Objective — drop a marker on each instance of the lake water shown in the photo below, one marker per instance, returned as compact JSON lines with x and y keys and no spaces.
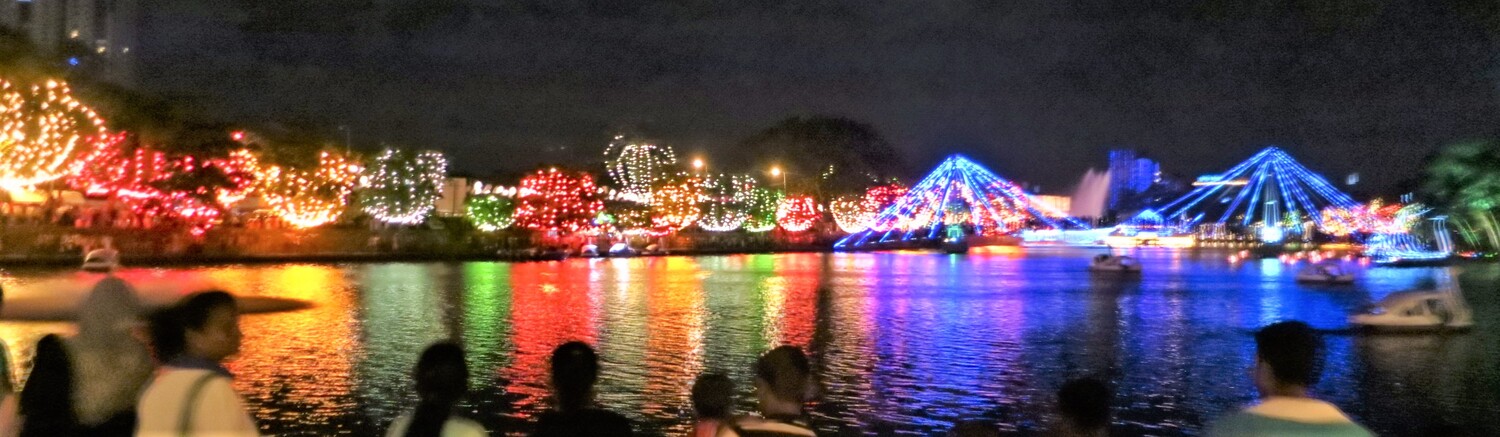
{"x":903,"y":343}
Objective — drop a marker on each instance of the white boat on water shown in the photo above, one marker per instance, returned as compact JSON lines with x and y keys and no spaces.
{"x":101,"y":261}
{"x":1117,"y":264}
{"x":1325,"y":273}
{"x":1439,"y":309}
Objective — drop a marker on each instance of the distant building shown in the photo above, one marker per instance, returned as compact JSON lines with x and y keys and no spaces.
{"x":1129,"y":174}
{"x":105,"y":29}
{"x":1052,"y":205}
{"x":455,"y":195}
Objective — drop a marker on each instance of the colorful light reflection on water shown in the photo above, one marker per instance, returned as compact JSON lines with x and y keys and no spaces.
{"x":902,"y":342}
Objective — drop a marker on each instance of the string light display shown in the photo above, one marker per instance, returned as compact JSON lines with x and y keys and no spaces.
{"x":632,"y":219}
{"x":675,"y":206}
{"x":42,"y":128}
{"x":760,"y":209}
{"x":554,"y":200}
{"x":1373,"y":218}
{"x":851,"y":213}
{"x":880,"y":197}
{"x":401,"y":187}
{"x":637,"y":168}
{"x":490,"y":212}
{"x":305,"y":199}
{"x":724,"y":202}
{"x":140,"y":179}
{"x":958,"y":191}
{"x":797,"y":213}
{"x":240,"y":167}
{"x":1259,"y":190}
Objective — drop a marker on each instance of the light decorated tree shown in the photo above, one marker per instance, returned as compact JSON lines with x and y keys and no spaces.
{"x":401,"y":186}
{"x":160,"y":188}
{"x":851,"y":213}
{"x":42,"y":129}
{"x":140,"y":178}
{"x":760,"y":209}
{"x":637,"y":168}
{"x":558,"y":201}
{"x":880,"y":197}
{"x":489,"y":212}
{"x":306,"y":198}
{"x":725,"y":200}
{"x":240,"y":167}
{"x":797,"y":213}
{"x":675,"y":206}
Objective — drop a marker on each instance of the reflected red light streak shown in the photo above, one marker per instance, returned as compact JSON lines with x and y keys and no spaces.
{"x":550,"y":306}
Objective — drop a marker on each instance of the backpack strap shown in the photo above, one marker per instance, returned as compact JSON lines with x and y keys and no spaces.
{"x":185,"y":423}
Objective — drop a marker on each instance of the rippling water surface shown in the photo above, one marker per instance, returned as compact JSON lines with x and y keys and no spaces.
{"x":903,"y":343}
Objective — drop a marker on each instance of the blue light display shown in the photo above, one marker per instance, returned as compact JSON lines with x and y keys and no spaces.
{"x":1264,"y":189}
{"x":958,"y":192}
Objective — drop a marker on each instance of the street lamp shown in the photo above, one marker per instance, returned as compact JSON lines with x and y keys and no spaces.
{"x":776,"y":171}
{"x":697,"y":164}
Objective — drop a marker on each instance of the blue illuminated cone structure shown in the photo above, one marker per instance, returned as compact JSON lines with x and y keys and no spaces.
{"x":1269,"y":190}
{"x":958,"y":192}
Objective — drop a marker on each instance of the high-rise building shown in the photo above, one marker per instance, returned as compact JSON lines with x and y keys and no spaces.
{"x":1129,"y":174}
{"x":105,"y":29}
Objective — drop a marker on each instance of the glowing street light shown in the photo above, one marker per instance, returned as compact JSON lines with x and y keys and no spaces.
{"x":776,"y":171}
{"x":697,"y":165}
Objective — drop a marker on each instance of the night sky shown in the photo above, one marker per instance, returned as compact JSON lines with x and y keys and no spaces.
{"x":1038,"y":90}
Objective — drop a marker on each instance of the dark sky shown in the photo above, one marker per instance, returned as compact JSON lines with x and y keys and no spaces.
{"x":1038,"y":90}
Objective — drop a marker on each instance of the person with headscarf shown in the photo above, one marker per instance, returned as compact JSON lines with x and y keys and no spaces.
{"x":88,"y":384}
{"x":8,"y":398}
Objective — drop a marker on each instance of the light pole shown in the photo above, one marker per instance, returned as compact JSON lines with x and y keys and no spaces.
{"x":698,"y":165}
{"x":776,"y":171}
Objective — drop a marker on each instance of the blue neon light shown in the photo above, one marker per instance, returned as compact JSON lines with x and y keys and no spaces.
{"x":1270,"y":175}
{"x":958,"y":186}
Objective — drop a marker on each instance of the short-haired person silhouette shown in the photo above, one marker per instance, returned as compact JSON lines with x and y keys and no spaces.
{"x":1287,"y":361}
{"x":713,"y":403}
{"x":575,"y":369}
{"x":1083,"y":409}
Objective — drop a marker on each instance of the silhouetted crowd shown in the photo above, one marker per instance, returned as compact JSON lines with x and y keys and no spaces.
{"x":119,"y":377}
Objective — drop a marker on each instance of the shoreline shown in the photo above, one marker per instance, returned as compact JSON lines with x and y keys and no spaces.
{"x":340,"y":257}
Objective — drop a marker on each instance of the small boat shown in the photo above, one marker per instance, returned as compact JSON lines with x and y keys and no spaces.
{"x":621,"y":250}
{"x":1416,"y":310}
{"x":1325,"y":273}
{"x":589,"y":251}
{"x":101,"y":261}
{"x":1110,"y":263}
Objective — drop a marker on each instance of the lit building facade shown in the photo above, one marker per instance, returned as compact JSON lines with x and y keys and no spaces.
{"x":106,"y":29}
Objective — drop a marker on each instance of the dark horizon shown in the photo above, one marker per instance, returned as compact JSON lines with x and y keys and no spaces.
{"x":1038,"y":92}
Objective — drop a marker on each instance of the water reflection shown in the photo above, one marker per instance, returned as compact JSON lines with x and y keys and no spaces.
{"x":901,"y":342}
{"x":296,"y":368}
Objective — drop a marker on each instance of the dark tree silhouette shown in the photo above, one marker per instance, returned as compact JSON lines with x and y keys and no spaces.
{"x":826,"y":156}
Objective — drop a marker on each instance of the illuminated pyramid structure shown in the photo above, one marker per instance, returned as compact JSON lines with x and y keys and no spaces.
{"x":959,"y":192}
{"x":1269,"y":190}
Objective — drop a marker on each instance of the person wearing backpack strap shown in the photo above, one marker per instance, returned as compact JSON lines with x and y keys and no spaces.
{"x":193,"y":394}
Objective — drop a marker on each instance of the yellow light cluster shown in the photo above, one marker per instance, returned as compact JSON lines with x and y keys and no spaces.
{"x":42,"y":128}
{"x":306,"y":199}
{"x":852,"y":213}
{"x":674,"y":207}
